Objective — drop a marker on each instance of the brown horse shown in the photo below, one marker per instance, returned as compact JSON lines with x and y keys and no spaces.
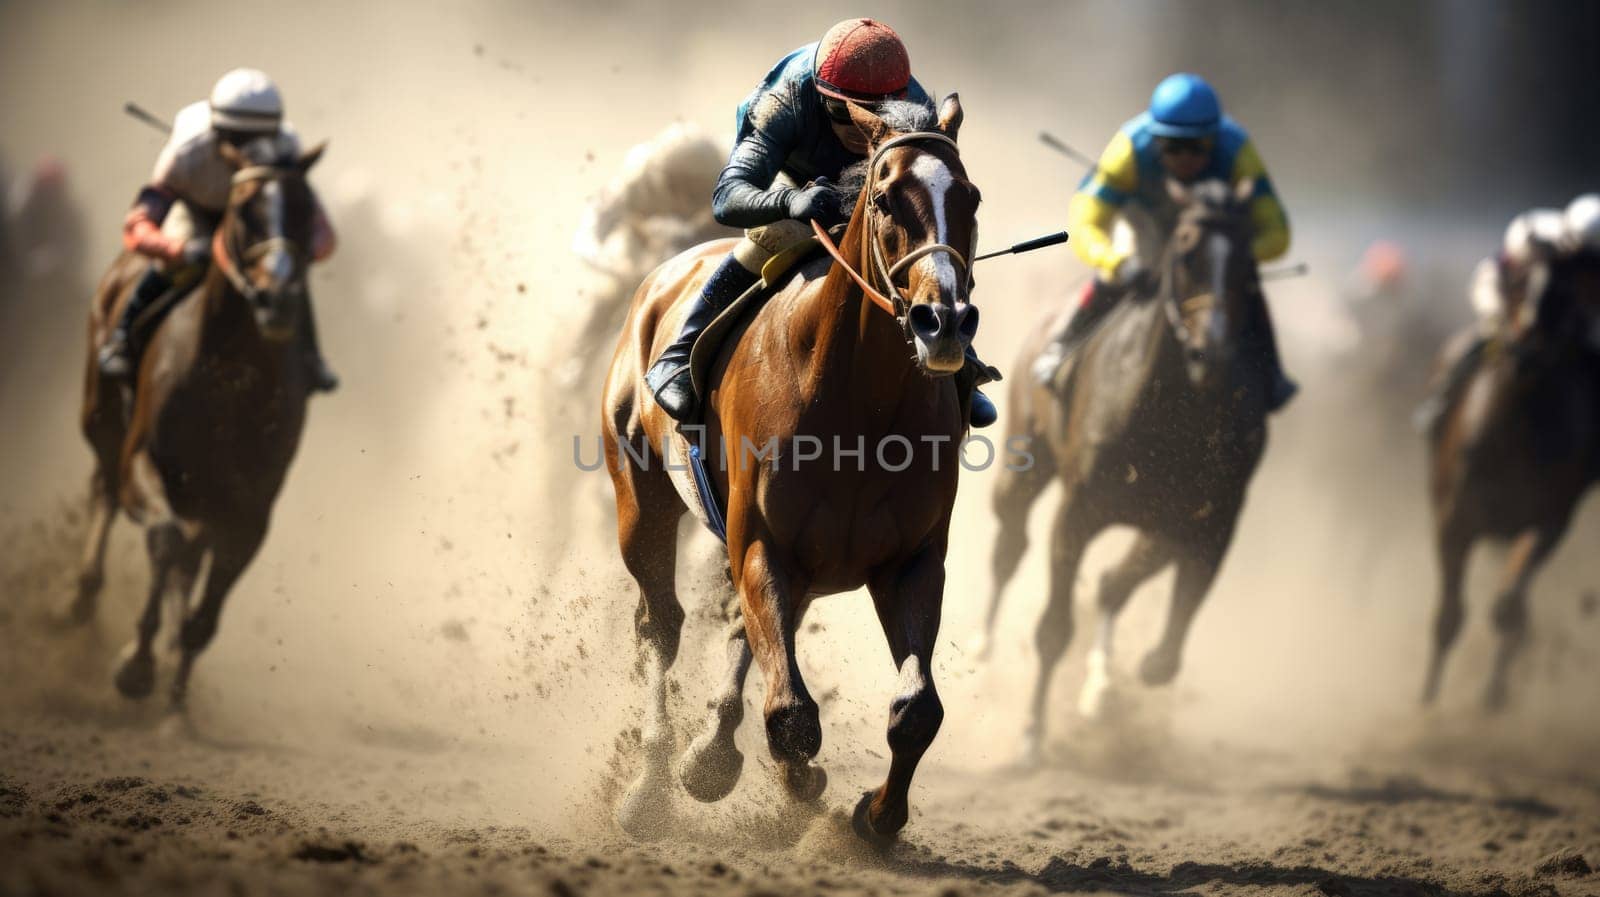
{"x":820,"y":367}
{"x":1513,"y":455}
{"x":198,"y":451}
{"x":1159,"y":426}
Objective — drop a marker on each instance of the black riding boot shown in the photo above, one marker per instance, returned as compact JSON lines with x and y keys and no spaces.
{"x":1103,"y":297}
{"x":982,"y":413}
{"x":323,"y":379}
{"x":1280,"y":389}
{"x":1431,"y":411}
{"x":668,"y":379}
{"x":117,"y":355}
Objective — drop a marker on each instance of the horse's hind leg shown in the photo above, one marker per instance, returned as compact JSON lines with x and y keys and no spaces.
{"x":711,"y":766}
{"x":647,"y":527}
{"x":771,"y":604}
{"x":1197,"y":570}
{"x":1014,"y":496}
{"x":1453,"y":547}
{"x":1510,"y":611}
{"x":908,"y":606}
{"x":1071,"y":535}
{"x":1144,"y":559}
{"x":136,"y":674}
{"x":91,"y":570}
{"x":231,"y":551}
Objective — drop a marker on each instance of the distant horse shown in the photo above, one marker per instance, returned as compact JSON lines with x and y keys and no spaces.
{"x":820,"y":362}
{"x":199,"y":455}
{"x":1160,"y":424}
{"x":1513,"y":456}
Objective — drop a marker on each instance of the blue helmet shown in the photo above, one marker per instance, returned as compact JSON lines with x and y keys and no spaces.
{"x":1184,"y":105}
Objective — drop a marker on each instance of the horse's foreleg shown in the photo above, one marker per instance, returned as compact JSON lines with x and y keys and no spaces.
{"x":231,"y":552}
{"x":91,"y":570}
{"x":1144,"y":559}
{"x":1071,"y":535}
{"x":647,"y":536}
{"x":136,"y":673}
{"x":1197,"y":569}
{"x":1510,"y":611}
{"x":908,"y":606}
{"x":712,"y":764}
{"x":1014,"y":496}
{"x":1453,"y":548}
{"x":771,"y":602}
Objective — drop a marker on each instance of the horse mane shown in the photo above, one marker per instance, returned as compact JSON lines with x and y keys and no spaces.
{"x":902,"y":116}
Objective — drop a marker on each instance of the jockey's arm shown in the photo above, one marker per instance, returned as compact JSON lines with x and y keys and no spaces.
{"x":141,"y":228}
{"x":1269,"y":221}
{"x":745,"y":195}
{"x":1094,"y":208}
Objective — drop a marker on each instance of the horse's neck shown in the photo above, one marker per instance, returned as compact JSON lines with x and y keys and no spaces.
{"x":863,"y":344}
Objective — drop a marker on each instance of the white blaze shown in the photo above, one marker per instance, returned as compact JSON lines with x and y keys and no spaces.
{"x":936,"y":177}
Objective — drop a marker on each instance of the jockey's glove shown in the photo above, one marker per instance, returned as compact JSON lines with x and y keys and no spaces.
{"x":196,"y":251}
{"x":818,"y":201}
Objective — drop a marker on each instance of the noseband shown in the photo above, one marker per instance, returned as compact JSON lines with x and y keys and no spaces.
{"x":895,"y":303}
{"x":253,"y":253}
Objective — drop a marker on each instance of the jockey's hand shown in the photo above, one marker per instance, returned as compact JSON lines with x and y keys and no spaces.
{"x":818,"y":201}
{"x":195,"y":251}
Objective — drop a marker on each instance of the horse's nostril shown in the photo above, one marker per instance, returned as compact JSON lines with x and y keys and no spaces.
{"x":1196,"y":356}
{"x":925,"y":321}
{"x":967,"y":321}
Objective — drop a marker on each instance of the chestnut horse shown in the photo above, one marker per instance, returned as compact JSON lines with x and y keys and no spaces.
{"x":822,"y":366}
{"x":1512,"y":456}
{"x":198,"y":451}
{"x":1159,"y":426}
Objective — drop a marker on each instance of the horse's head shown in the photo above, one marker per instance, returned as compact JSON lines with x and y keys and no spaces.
{"x":1208,"y":272}
{"x":264,"y":241}
{"x":921,"y":226}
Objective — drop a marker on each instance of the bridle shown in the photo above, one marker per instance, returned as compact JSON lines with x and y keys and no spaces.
{"x":225,"y":260}
{"x":890,"y":299}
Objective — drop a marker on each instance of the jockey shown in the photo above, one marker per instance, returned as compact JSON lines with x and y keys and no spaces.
{"x":794,"y":139}
{"x":173,"y":217}
{"x":1122,"y":216}
{"x":1506,"y":287}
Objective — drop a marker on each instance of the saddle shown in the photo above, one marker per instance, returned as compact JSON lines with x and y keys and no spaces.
{"x":732,"y":322}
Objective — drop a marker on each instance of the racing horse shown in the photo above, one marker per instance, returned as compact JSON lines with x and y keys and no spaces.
{"x":841,"y":388}
{"x":1512,"y":457}
{"x":197,"y":452}
{"x":1159,"y":425}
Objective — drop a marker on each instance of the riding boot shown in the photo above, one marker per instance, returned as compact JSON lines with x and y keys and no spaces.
{"x":1431,"y":411}
{"x":1101,"y":299}
{"x":982,"y":413}
{"x":1280,"y":389}
{"x":668,"y":379}
{"x":323,"y":379}
{"x":116,"y":357}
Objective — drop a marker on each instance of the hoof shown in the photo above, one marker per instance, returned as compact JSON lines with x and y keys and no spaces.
{"x":710,"y":768}
{"x":646,"y":810}
{"x":136,"y":675}
{"x":805,"y":782}
{"x":861,"y":821}
{"x":1158,"y":668}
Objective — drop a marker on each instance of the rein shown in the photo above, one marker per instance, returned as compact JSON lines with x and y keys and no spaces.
{"x":224,"y":259}
{"x":894,"y":301}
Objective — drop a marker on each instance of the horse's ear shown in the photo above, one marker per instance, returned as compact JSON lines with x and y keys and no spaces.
{"x":310,"y":157}
{"x":232,"y":155}
{"x":1177,"y":192}
{"x":868,"y":123}
{"x":1244,"y":191}
{"x":950,"y":115}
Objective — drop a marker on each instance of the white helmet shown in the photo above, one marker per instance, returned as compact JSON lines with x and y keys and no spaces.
{"x":1583,"y":223}
{"x":246,"y":100}
{"x":1532,"y":235}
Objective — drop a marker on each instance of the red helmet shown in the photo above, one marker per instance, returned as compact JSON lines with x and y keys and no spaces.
{"x":860,"y":59}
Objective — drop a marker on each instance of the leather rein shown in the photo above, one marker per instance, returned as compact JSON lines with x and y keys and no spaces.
{"x":895,"y":302}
